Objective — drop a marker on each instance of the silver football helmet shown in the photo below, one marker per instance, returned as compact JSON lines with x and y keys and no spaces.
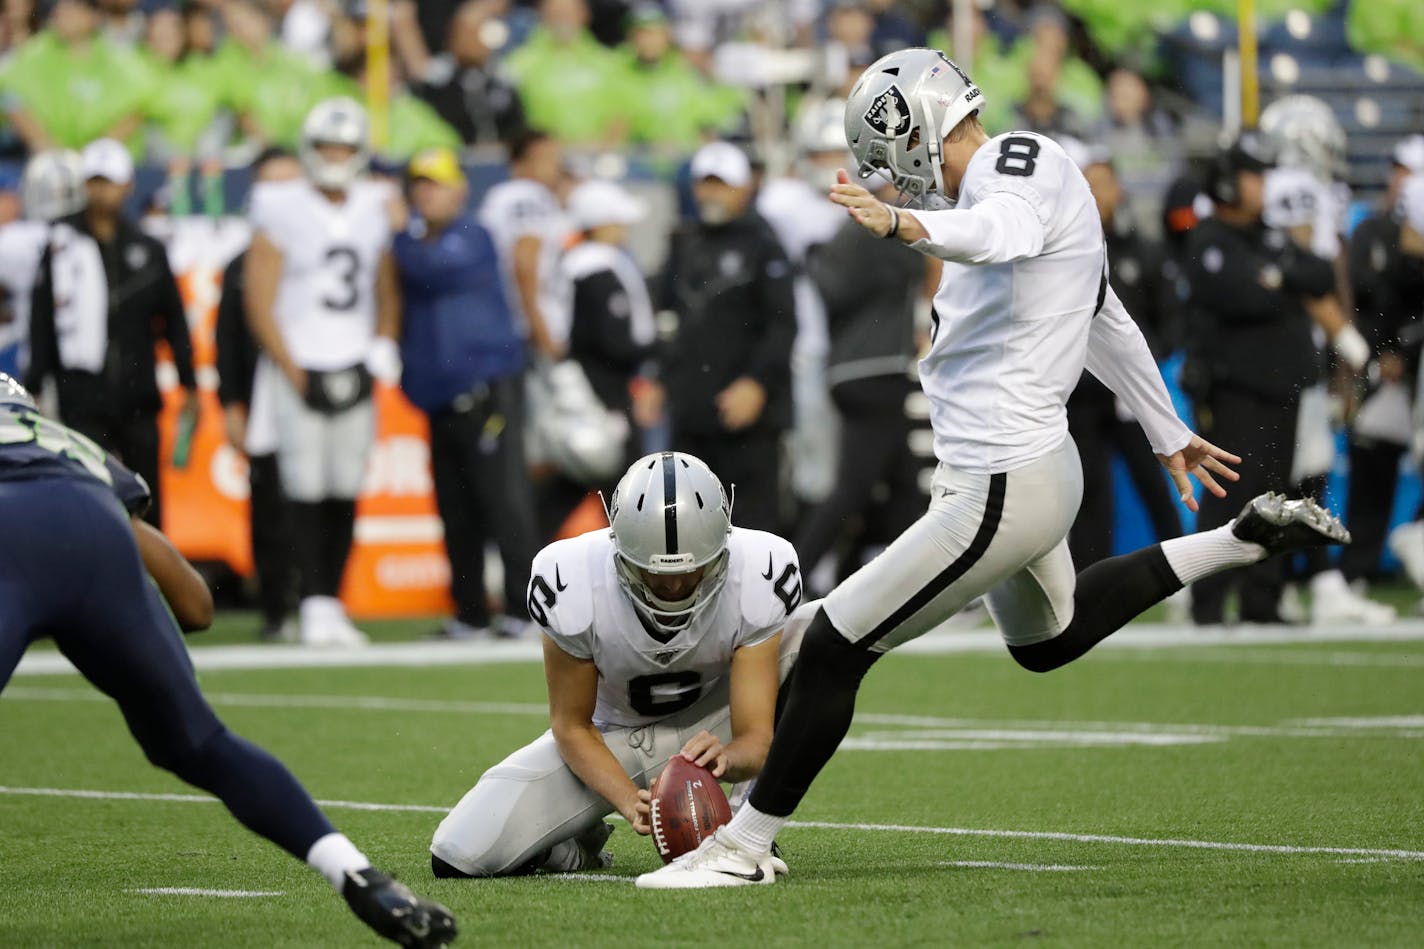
{"x":670,"y":515}
{"x":52,"y":186}
{"x":339,"y":121}
{"x":899,"y":112}
{"x":1306,"y":135}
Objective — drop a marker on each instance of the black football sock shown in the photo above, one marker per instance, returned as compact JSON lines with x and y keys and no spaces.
{"x":1109,"y":594}
{"x":339,"y":522}
{"x":817,"y":714}
{"x":308,"y":528}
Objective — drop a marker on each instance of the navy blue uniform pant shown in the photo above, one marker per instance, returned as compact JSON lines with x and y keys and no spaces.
{"x":70,"y":570}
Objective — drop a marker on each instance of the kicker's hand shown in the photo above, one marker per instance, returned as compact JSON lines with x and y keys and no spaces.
{"x":867,"y":210}
{"x":1201,"y":460}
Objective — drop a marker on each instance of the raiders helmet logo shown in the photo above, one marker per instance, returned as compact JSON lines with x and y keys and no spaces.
{"x":889,"y":114}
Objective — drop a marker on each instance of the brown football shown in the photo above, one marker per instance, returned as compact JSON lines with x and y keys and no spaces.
{"x":688,"y":805}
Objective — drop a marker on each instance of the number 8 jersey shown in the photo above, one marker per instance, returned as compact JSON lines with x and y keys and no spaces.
{"x":326,"y":300}
{"x":574,"y":595}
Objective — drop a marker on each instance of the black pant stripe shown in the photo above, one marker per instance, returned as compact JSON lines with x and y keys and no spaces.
{"x":988,"y":527}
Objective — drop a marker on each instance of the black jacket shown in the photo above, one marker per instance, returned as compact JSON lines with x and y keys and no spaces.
{"x":1144,"y":279}
{"x":730,"y":286}
{"x":1247,"y":325}
{"x":237,"y":350}
{"x":869,"y":286}
{"x":601,"y":338}
{"x":481,"y":106}
{"x":144,"y":307}
{"x":1388,"y":289}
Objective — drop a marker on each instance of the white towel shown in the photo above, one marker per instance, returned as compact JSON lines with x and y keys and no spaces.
{"x":81,"y":300}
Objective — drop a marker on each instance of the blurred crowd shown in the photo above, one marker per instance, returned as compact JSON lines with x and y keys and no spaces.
{"x":565,"y":321}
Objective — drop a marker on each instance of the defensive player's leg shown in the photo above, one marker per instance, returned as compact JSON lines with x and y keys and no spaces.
{"x":522,"y":807}
{"x":122,"y":638}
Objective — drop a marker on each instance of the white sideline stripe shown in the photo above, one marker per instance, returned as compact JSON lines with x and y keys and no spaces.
{"x":1382,"y":721}
{"x":1141,"y":636}
{"x":992,"y":865}
{"x":204,"y":799}
{"x":197,"y":891}
{"x":1110,"y":839}
{"x":808,"y":825}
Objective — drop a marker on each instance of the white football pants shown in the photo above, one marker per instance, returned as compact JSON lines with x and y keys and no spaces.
{"x":531,"y":800}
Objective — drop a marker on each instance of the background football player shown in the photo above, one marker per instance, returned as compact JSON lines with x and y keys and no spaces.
{"x":73,"y":524}
{"x":323,"y":304}
{"x":663,"y":635}
{"x":1305,"y":197}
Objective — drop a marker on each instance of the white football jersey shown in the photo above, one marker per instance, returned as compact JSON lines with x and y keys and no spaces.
{"x":22,"y":244}
{"x":519,"y":208}
{"x":326,"y":300}
{"x":1009,"y":338}
{"x":1295,"y":197}
{"x":574,"y":595}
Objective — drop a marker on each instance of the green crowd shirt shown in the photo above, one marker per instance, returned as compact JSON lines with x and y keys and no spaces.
{"x":567,"y":88}
{"x":76,"y":94}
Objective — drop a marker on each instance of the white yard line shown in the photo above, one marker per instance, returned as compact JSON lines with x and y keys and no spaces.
{"x":811,"y":825}
{"x":992,"y":865}
{"x":203,"y":799}
{"x":198,"y":891}
{"x":1137,"y":637}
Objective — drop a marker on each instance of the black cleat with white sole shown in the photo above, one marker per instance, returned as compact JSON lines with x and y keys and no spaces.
{"x":393,"y":911}
{"x":1282,"y":524}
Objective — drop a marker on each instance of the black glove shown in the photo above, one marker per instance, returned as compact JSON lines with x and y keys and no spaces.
{"x":337,"y":390}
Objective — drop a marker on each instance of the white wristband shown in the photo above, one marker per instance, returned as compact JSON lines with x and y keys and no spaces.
{"x":383,"y":360}
{"x":1352,"y":347}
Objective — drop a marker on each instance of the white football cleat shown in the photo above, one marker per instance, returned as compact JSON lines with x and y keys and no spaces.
{"x":1406,"y":542}
{"x":718,"y":862}
{"x":1333,"y":602}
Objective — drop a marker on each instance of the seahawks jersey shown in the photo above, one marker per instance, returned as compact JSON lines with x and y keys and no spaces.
{"x":326,"y":299}
{"x":575,"y":596}
{"x":520,"y":208}
{"x":34,"y":448}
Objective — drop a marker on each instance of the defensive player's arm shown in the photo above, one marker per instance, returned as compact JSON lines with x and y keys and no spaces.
{"x":261,"y":275}
{"x":755,"y":679}
{"x":573,"y":692}
{"x":527,"y":251}
{"x":187,"y":595}
{"x":1119,"y":357}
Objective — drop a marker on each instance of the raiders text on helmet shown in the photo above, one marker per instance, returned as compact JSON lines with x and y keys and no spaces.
{"x":669,"y":515}
{"x":899,"y":113}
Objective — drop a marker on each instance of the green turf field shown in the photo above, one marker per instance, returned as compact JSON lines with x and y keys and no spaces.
{"x":1224,"y":794}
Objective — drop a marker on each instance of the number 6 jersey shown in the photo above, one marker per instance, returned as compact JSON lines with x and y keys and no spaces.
{"x":574,"y":595}
{"x":326,"y":301}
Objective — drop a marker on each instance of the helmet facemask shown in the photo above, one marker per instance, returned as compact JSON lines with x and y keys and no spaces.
{"x":669,"y":516}
{"x":669,"y":616}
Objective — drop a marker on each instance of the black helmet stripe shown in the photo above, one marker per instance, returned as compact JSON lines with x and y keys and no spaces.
{"x":670,"y":501}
